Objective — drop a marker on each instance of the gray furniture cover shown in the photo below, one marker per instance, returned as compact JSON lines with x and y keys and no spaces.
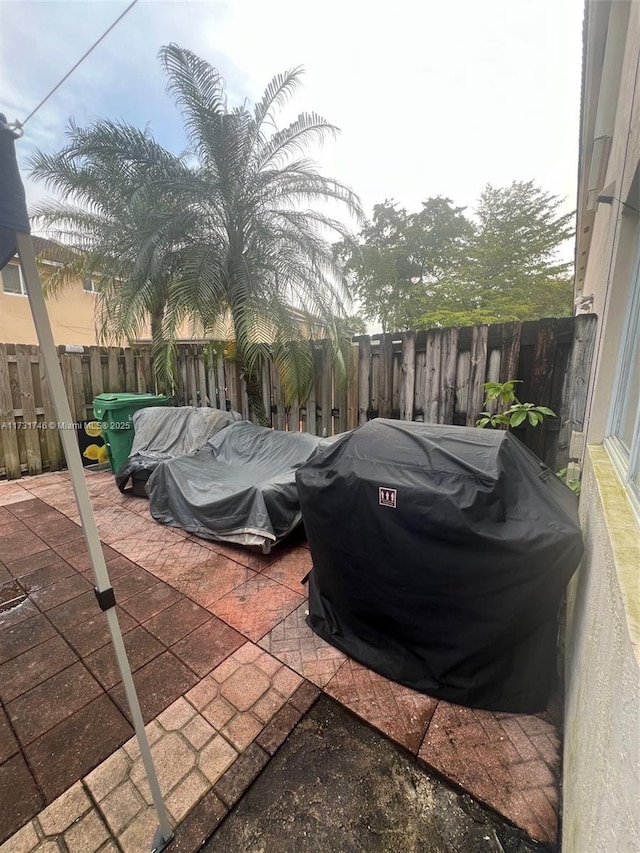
{"x":165,"y":432}
{"x":240,"y":487}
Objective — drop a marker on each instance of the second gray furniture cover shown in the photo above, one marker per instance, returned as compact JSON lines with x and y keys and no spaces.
{"x":240,"y":487}
{"x":163,"y":433}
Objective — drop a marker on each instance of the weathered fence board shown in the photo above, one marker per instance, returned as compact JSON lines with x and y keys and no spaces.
{"x":408,"y":376}
{"x":463,"y":371}
{"x":364,"y":380}
{"x":478,"y":372}
{"x":277,"y":409}
{"x":352,"y":392}
{"x":11,"y":452}
{"x":448,"y":354}
{"x":541,"y":379}
{"x":28,"y":405}
{"x":95,"y":367}
{"x":54,"y":444}
{"x":68,"y":384}
{"x":326,"y":401}
{"x":222,"y":384}
{"x":510,"y":350}
{"x":433,"y":376}
{"x":112,"y":371}
{"x":385,"y":377}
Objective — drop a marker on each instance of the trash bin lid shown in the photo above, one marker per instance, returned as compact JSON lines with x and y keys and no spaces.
{"x":112,"y":402}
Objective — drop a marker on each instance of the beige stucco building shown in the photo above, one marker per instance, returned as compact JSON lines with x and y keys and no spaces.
{"x":602,"y":717}
{"x":72,"y":312}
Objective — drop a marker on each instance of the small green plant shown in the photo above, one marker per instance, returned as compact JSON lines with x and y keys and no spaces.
{"x":574,"y":485}
{"x":513,"y":411}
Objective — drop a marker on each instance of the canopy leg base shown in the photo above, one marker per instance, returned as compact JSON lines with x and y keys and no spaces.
{"x":159,"y":841}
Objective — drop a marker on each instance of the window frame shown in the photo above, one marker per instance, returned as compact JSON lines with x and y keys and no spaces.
{"x":89,"y":279}
{"x":627,"y":461}
{"x":23,"y":287}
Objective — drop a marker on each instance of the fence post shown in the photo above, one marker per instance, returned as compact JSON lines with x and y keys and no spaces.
{"x":576,"y":384}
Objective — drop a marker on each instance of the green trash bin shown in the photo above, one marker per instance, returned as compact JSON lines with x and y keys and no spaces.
{"x":115,"y":414}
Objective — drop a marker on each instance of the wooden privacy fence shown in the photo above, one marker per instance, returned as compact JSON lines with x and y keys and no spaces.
{"x":435,"y":376}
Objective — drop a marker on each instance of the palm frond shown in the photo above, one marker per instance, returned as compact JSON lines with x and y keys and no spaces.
{"x":295,"y":139}
{"x":280,"y":89}
{"x":197,"y":88}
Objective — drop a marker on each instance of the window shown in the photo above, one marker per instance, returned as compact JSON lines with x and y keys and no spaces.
{"x":12,"y":280}
{"x":624,"y":423}
{"x":89,"y":284}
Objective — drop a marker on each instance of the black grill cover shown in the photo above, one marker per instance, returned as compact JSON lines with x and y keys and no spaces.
{"x":440,"y":557}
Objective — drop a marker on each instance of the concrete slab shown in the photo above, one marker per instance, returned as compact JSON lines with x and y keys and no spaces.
{"x":337,"y":786}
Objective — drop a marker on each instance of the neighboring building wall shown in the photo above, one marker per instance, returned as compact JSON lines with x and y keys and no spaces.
{"x":72,"y":317}
{"x":73,"y":321}
{"x":601,"y":812}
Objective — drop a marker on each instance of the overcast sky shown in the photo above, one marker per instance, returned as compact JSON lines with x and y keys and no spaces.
{"x":431,"y":97}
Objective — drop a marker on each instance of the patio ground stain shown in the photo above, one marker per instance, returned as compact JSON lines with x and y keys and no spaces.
{"x":337,"y":786}
{"x":11,"y":596}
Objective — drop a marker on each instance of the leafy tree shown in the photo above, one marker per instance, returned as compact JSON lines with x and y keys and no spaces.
{"x":405,"y":262}
{"x":513,"y":258}
{"x":234,"y":228}
{"x":436,"y":267}
{"x":371,"y":266}
{"x":511,"y":271}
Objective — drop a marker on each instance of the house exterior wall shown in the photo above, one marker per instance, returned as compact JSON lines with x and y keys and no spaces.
{"x":613,"y":230}
{"x":602,"y":720}
{"x":602,"y":711}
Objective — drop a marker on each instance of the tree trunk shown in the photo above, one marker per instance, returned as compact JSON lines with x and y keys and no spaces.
{"x":251,"y":378}
{"x":156,"y":323}
{"x":254,"y":395}
{"x":162,"y":371}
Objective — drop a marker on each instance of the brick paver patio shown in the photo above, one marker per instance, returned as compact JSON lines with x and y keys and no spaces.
{"x":225,"y":666}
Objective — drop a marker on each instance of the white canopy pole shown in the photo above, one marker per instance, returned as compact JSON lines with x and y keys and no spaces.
{"x":104,"y":591}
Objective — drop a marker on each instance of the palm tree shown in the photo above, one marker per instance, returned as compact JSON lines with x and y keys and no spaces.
{"x":118,"y":215}
{"x":237,"y":227}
